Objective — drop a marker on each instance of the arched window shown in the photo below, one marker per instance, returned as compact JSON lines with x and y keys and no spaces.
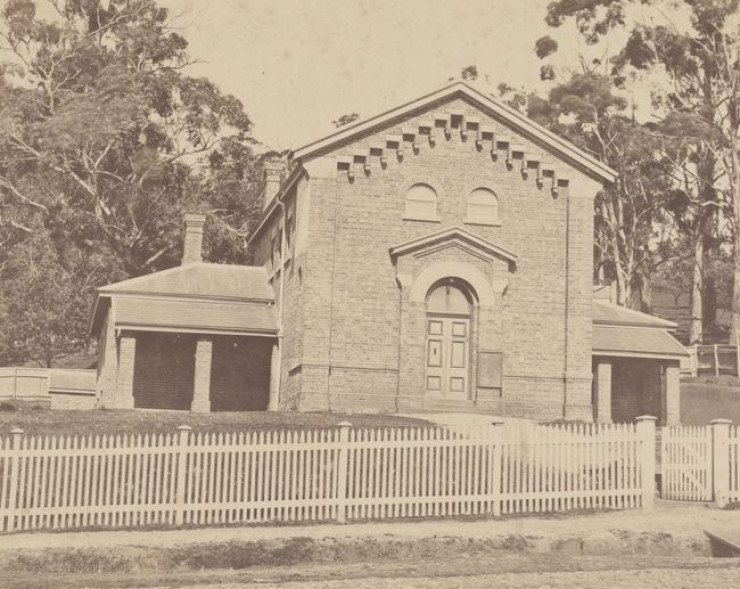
{"x":448,"y":298}
{"x":483,"y":207}
{"x":421,"y":203}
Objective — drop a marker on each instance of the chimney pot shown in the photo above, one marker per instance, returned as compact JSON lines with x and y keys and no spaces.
{"x":272,"y":182}
{"x":193,"y":246}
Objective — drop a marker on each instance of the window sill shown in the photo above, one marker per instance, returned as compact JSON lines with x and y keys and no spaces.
{"x":423,"y":219}
{"x":479,"y":222}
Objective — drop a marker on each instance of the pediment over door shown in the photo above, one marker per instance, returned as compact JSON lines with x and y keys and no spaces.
{"x":455,"y":236}
{"x":422,"y":261}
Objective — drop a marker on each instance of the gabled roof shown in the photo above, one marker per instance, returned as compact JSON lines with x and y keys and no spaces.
{"x":485,"y":102}
{"x":606,"y":313}
{"x":635,"y":342}
{"x":193,"y":297}
{"x":200,"y":279}
{"x":454,"y":233}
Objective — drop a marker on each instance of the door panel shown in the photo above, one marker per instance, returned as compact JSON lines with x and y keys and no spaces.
{"x":434,"y":353}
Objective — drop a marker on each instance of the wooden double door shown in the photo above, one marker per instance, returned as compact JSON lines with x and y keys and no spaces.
{"x":448,"y":356}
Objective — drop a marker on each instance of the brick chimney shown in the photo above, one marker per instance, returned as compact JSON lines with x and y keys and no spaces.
{"x":272,"y":182}
{"x":192,"y":250}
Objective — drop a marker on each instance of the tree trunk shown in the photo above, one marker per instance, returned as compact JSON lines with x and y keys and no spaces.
{"x":696,"y":332}
{"x":734,"y":180}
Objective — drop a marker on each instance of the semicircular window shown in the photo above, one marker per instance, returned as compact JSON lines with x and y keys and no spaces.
{"x":421,"y":203}
{"x":483,"y":207}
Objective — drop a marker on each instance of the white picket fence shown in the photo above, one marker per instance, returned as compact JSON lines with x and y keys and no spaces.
{"x":701,"y":463}
{"x":340,"y":474}
{"x":686,"y":463}
{"x":733,"y":465}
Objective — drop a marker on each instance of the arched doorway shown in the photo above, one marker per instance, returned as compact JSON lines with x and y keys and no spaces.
{"x":448,"y":339}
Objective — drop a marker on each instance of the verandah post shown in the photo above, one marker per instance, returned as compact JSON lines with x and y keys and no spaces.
{"x":646,"y":460}
{"x":14,"y":474}
{"x":182,"y":461}
{"x":721,"y":460}
{"x":342,"y":457}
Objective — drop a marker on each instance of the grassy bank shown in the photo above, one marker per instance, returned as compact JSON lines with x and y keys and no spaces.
{"x":46,"y":422}
{"x":710,"y":397}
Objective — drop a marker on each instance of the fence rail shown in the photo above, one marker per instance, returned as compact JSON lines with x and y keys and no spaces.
{"x":715,"y":359}
{"x":341,"y":474}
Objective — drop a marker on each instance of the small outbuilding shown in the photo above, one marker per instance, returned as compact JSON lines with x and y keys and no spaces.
{"x":198,"y":337}
{"x":635,"y":364}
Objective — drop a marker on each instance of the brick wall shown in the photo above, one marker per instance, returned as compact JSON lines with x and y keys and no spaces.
{"x":353,"y":323}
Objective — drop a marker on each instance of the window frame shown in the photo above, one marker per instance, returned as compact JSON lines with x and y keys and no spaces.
{"x":490,"y":221}
{"x":428,"y":216}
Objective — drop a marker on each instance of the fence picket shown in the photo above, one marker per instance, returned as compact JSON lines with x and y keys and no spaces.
{"x":343,"y":473}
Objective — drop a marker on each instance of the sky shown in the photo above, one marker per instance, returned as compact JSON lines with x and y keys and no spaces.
{"x":297,"y":65}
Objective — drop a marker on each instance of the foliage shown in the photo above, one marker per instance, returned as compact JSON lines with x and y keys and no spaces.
{"x":688,"y":52}
{"x":100,"y":141}
{"x":588,"y":110}
{"x":46,"y":301}
{"x":346,"y":119}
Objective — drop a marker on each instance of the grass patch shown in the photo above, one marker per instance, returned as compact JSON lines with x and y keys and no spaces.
{"x":47,"y":422}
{"x":244,"y":555}
{"x":710,"y":397}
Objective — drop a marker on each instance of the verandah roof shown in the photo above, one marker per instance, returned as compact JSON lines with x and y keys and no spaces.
{"x":631,"y":334}
{"x":197,"y":297}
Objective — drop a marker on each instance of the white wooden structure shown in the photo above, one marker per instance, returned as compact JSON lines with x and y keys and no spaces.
{"x":686,"y":462}
{"x":701,"y":463}
{"x":340,"y":474}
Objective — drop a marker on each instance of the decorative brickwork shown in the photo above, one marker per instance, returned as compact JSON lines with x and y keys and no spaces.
{"x":353,"y":337}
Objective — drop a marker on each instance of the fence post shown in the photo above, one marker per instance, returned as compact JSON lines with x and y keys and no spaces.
{"x":646,"y":436}
{"x":342,"y":457}
{"x":182,"y":460}
{"x":720,"y":460}
{"x":14,"y":474}
{"x":495,"y":481}
{"x":716,"y":361}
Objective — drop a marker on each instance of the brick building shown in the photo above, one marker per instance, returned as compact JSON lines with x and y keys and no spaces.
{"x":437,"y":256}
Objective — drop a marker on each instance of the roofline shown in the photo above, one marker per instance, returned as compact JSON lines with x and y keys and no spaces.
{"x":670,"y":326}
{"x":274,"y":204}
{"x":657,"y":321}
{"x":166,"y":328}
{"x":111,"y":288}
{"x":514,"y":117}
{"x":646,"y":355}
{"x":173,"y":296}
